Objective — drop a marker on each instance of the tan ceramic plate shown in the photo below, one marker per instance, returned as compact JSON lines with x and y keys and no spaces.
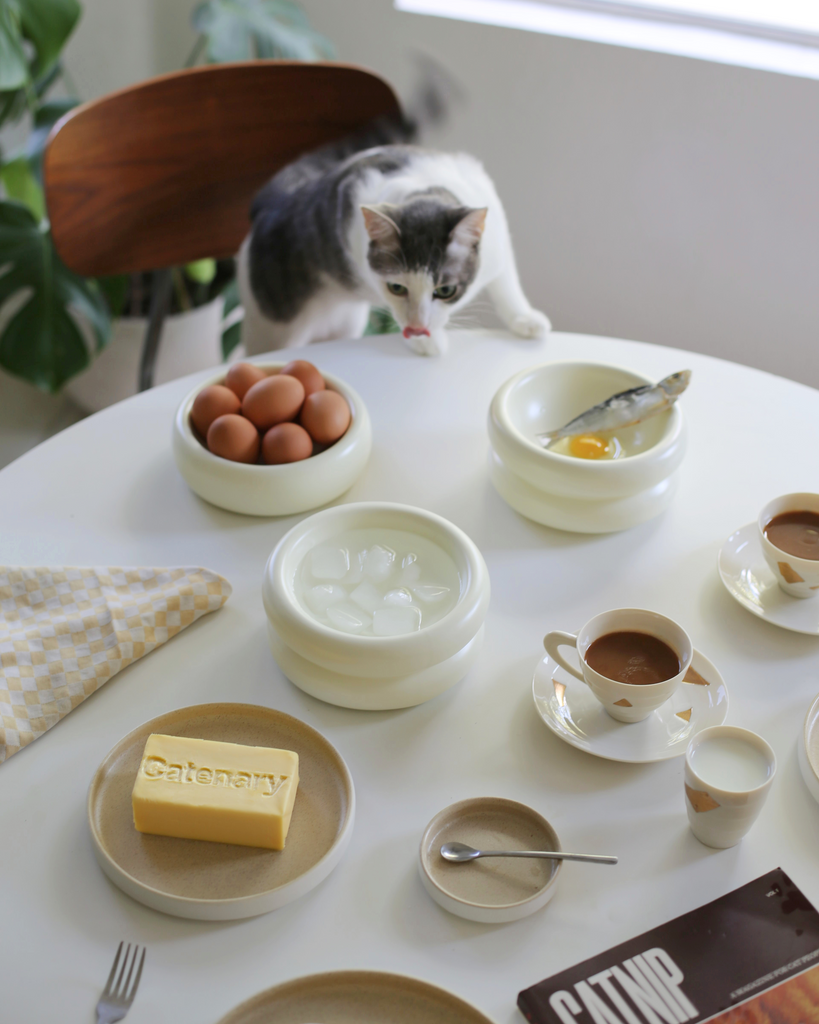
{"x":217,"y":881}
{"x":497,"y":889}
{"x":355,"y":997}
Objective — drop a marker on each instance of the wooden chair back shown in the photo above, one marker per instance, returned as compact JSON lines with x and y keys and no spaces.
{"x":163,"y":172}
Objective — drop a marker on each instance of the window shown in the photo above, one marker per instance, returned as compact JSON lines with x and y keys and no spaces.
{"x":775,"y":35}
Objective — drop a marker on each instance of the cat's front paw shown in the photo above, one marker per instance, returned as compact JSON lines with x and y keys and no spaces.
{"x":533,"y":324}
{"x":434,"y":344}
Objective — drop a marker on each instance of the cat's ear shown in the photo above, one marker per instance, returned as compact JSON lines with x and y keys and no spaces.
{"x":468,"y":230}
{"x":380,"y":226}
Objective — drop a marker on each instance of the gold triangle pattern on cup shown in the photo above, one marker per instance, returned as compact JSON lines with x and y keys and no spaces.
{"x":685,"y":715}
{"x":560,"y":693}
{"x":692,"y":676}
{"x":789,"y":574}
{"x":700,"y":800}
{"x":623,"y":703}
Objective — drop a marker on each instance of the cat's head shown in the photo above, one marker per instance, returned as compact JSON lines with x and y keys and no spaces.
{"x":424,"y":255}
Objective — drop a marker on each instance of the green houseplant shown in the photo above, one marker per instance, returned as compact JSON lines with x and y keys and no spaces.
{"x":43,"y":305}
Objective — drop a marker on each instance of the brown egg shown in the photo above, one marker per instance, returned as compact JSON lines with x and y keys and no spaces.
{"x":310,"y":377}
{"x":211,"y":403}
{"x":325,"y":416}
{"x":273,"y":400}
{"x":242,"y":376}
{"x":286,"y":442}
{"x":234,"y":437}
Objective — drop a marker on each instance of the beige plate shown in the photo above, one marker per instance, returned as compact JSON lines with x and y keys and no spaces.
{"x":495,"y":889}
{"x":355,"y":997}
{"x":217,"y":881}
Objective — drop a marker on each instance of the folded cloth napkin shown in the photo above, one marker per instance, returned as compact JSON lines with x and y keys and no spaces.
{"x":65,"y":631}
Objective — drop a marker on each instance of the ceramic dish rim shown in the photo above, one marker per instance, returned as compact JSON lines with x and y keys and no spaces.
{"x":627,"y":760}
{"x":282,"y":985}
{"x":341,"y":838}
{"x":355,"y":433}
{"x":811,"y":718}
{"x":499,"y":411}
{"x":468,"y":603}
{"x":483,"y":800}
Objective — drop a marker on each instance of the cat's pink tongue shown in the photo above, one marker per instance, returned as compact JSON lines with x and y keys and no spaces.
{"x":410,"y":332}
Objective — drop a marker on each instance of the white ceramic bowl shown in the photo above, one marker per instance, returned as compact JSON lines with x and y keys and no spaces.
{"x":273,"y":490}
{"x":581,"y":495}
{"x":809,"y":750}
{"x":798,"y":577}
{"x":374,"y":672}
{"x":491,"y":891}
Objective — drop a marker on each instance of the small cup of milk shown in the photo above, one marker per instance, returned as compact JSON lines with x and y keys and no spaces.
{"x":728,"y":773}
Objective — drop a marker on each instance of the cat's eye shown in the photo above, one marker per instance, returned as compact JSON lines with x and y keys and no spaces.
{"x":446,"y":291}
{"x":396,"y":289}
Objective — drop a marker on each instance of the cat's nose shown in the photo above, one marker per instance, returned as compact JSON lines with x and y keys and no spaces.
{"x":410,"y":332}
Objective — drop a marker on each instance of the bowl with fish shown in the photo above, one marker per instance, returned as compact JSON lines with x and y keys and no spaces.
{"x":271,"y":438}
{"x":587,"y":447}
{"x":375,"y":605}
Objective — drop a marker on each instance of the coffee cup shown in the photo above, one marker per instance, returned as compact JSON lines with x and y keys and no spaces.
{"x":728,"y":774}
{"x":625,"y":701}
{"x":797,"y":576}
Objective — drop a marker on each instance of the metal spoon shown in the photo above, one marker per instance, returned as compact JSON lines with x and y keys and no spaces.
{"x":459,"y":853}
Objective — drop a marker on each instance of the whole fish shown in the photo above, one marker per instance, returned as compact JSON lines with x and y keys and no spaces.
{"x":624,"y":409}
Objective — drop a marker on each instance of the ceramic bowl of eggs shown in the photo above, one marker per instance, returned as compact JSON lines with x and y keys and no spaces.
{"x":375,"y":605}
{"x":271,"y":439}
{"x":565,"y":449}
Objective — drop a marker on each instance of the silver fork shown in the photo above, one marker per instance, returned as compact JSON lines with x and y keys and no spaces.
{"x":117,"y":998}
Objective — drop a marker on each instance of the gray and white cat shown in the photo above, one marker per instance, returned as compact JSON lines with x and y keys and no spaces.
{"x":415,"y":231}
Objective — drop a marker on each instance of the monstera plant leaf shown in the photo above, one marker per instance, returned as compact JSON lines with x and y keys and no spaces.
{"x":32,"y":34}
{"x":41,"y":341}
{"x":237,"y":30}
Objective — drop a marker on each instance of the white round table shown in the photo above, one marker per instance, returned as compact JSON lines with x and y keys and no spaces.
{"x":106,"y":492}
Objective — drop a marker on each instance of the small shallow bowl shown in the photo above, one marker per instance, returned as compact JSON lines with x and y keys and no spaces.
{"x":374,"y":672}
{"x":273,"y":490}
{"x":495,"y":889}
{"x":798,"y":577}
{"x":809,"y":750}
{"x":581,"y":495}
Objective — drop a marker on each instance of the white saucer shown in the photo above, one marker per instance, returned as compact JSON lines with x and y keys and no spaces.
{"x":745,"y":573}
{"x":809,"y":750}
{"x":574,"y":714}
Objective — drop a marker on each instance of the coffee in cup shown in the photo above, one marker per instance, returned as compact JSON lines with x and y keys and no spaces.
{"x":630,"y":658}
{"x":789,"y":535}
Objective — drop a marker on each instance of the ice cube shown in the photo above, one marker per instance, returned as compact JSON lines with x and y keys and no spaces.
{"x":396,"y":621}
{"x":400,"y":596}
{"x":410,"y":570}
{"x":320,"y":598}
{"x":356,"y":572}
{"x":430,"y":592}
{"x":378,"y":563}
{"x":329,"y":563}
{"x":348,"y":617}
{"x":366,"y":596}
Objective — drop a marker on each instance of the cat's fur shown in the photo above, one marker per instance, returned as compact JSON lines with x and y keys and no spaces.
{"x":333,"y":234}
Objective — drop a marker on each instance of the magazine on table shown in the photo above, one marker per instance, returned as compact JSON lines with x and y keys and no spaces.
{"x":750,"y":957}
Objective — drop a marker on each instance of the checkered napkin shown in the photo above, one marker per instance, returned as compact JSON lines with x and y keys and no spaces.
{"x":64,"y":632}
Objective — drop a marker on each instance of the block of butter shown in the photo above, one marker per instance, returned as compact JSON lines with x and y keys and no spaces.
{"x":221,"y":792}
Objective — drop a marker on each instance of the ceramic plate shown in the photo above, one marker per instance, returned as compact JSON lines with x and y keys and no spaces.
{"x":574,"y":714}
{"x":746,"y":575}
{"x":355,"y":997}
{"x":809,"y":750}
{"x":496,"y":889}
{"x":217,"y":881}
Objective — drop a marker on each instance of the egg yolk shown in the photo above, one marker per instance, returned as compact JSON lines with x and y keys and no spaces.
{"x":588,"y":446}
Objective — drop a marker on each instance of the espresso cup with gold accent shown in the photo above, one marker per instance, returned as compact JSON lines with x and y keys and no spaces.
{"x":631,"y":659}
{"x":789,"y":534}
